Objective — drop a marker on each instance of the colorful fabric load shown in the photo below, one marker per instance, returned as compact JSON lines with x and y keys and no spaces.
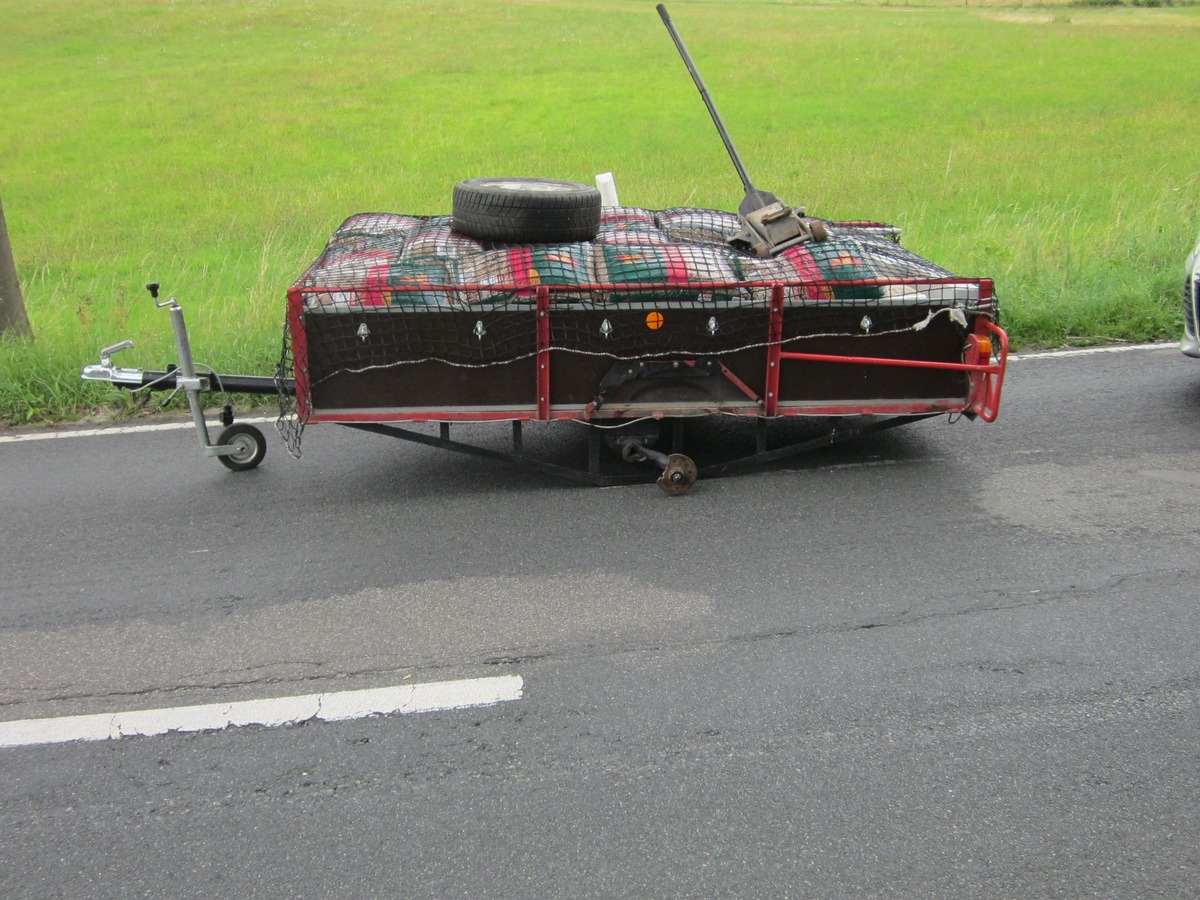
{"x":382,"y":259}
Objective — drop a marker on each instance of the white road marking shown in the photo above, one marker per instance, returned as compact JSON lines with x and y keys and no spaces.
{"x":119,"y":429}
{"x":332,"y":707}
{"x":1091,"y":351}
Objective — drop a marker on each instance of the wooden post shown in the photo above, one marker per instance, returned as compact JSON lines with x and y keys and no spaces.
{"x":12,"y":306}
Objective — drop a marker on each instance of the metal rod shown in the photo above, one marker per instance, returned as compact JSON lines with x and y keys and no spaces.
{"x":986,"y":368}
{"x":835,"y":437}
{"x":187,"y":371}
{"x":649,"y":453}
{"x":589,"y":477}
{"x":161,"y":380}
{"x":712,"y":109}
{"x":594,"y":452}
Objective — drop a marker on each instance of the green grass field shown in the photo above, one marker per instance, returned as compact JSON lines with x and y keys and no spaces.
{"x":213,"y":145}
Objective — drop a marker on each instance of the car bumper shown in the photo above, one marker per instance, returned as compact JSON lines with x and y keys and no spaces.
{"x":1190,"y":343}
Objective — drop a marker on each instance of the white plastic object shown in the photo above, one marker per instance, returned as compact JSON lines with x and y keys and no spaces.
{"x":607,"y":188}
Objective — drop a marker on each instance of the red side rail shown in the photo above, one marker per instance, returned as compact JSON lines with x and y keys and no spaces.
{"x":543,"y":353}
{"x":774,"y":350}
{"x":986,"y":377}
{"x":295,"y":324}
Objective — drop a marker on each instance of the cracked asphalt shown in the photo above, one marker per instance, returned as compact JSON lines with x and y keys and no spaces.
{"x":951,"y":660}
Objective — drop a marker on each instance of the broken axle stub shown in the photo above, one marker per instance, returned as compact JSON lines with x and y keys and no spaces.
{"x":679,"y":472}
{"x":679,"y":475}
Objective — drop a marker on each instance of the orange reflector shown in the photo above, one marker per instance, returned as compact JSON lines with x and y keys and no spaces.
{"x":654,"y":320}
{"x":985,"y":346}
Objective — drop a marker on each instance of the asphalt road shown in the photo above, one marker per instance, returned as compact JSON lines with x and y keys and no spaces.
{"x":953,"y":660}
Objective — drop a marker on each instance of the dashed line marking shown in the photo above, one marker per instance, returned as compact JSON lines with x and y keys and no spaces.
{"x":332,"y":707}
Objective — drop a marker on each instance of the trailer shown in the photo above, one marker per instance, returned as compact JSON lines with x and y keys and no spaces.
{"x":404,"y":320}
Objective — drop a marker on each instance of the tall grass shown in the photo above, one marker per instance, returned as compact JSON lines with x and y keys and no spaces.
{"x":212,"y":145}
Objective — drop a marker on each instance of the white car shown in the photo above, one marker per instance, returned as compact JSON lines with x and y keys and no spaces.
{"x":1190,"y":344}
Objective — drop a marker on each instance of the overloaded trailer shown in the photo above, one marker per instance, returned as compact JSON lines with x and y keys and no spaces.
{"x":539,"y":300}
{"x":403,"y":319}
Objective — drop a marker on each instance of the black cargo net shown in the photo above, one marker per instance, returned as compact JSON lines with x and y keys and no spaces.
{"x":395,"y":290}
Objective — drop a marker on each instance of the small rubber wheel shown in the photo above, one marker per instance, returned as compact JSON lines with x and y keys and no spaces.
{"x":526,"y":210}
{"x":817,"y":229}
{"x":249,"y":443}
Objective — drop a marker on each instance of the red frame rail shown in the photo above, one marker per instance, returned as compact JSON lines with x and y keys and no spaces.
{"x":984,"y":396}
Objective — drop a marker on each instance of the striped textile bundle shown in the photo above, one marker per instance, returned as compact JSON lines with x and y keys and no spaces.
{"x":677,"y":269}
{"x":379,"y":259}
{"x":685,"y":225}
{"x":525,"y":268}
{"x":815,"y":270}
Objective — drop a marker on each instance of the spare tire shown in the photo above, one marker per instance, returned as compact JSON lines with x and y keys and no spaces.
{"x":526,"y":210}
